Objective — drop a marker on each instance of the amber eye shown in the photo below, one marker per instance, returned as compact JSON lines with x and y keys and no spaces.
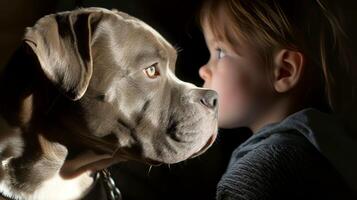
{"x":152,"y":71}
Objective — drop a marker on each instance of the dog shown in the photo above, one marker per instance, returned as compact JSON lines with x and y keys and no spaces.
{"x":90,"y":88}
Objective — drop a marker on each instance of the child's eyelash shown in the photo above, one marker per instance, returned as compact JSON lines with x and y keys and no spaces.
{"x":220,"y":53}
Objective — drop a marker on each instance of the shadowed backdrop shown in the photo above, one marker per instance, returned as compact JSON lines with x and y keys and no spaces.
{"x":175,"y":20}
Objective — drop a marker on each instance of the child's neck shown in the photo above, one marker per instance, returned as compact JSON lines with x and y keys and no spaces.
{"x":274,"y":114}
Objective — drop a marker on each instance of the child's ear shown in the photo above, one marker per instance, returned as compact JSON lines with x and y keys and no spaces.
{"x":288,"y":69}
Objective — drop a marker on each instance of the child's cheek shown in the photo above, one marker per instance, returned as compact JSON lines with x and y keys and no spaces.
{"x":230,"y":104}
{"x":233,"y":91}
{"x":238,"y":93}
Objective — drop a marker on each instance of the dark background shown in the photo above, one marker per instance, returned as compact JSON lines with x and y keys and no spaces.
{"x":175,"y":20}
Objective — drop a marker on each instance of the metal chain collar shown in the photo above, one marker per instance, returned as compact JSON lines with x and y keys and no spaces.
{"x":112,"y":190}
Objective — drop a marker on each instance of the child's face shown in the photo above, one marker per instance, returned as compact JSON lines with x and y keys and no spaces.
{"x":240,"y":80}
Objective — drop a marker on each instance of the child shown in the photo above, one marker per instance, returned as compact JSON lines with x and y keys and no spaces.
{"x":280,"y":68}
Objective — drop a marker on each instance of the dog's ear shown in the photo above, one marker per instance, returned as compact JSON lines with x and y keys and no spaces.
{"x":62,"y":44}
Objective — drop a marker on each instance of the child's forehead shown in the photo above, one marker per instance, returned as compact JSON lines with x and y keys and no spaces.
{"x":209,"y":36}
{"x":221,"y":34}
{"x":213,"y":32}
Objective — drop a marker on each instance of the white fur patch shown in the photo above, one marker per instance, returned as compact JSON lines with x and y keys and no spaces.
{"x":56,"y":188}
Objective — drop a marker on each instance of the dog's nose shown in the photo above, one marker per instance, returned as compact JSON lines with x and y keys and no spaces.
{"x":209,"y":99}
{"x":204,"y":97}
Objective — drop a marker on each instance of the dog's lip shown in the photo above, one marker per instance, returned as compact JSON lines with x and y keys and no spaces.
{"x":153,"y":162}
{"x":210,"y":141}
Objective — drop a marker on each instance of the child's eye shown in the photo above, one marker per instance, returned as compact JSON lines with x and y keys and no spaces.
{"x":220,"y":53}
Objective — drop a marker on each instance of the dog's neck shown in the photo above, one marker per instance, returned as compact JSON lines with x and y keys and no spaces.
{"x":32,"y":167}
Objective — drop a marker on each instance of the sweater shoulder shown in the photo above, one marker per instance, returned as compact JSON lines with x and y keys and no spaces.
{"x":256,"y":174}
{"x":278,"y":168}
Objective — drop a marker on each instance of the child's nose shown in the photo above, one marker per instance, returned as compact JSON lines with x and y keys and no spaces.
{"x":204,"y":72}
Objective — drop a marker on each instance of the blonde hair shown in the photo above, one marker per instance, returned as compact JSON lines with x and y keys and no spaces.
{"x":307,"y":26}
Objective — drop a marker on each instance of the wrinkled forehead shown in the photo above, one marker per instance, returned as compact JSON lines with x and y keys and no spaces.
{"x":149,"y":42}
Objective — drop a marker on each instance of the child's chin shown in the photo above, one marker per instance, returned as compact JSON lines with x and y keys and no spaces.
{"x":232,"y":120}
{"x":225,"y":124}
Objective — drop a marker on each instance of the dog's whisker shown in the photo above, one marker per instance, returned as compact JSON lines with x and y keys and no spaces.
{"x":149,"y":170}
{"x":178,"y":48}
{"x":115,"y":151}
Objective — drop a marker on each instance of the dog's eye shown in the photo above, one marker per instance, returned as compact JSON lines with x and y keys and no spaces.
{"x":152,"y":71}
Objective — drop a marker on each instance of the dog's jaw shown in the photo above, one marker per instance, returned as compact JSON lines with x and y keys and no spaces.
{"x":86,"y":162}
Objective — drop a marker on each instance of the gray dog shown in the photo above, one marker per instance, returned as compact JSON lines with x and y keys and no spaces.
{"x":90,"y":88}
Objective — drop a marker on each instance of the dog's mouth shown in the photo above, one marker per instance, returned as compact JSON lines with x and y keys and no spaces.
{"x":171,"y":144}
{"x":153,"y":162}
{"x":209,"y":143}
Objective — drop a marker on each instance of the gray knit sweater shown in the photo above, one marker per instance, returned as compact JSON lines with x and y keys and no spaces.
{"x":305,"y":156}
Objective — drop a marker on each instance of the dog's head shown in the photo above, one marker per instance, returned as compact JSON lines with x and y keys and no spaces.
{"x":117,"y":75}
